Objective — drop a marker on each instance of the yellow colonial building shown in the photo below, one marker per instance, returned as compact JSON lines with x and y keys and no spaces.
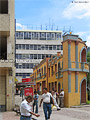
{"x":67,"y":71}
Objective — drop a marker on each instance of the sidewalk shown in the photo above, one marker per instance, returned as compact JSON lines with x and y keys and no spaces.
{"x":0,"y":116}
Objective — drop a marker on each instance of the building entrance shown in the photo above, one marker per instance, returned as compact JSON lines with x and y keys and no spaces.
{"x":2,"y":94}
{"x":83,"y":92}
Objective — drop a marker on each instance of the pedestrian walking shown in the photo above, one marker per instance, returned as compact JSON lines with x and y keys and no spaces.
{"x":54,"y":98}
{"x":62,"y":98}
{"x":26,"y":109}
{"x":46,"y":103}
{"x":35,"y":103}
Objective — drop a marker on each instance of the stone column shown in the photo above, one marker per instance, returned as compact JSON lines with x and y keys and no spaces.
{"x":69,"y":54}
{"x":76,"y":82}
{"x":69,"y":81}
{"x":76,"y":54}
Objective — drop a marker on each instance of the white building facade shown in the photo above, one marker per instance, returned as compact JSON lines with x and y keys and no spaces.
{"x":32,"y":46}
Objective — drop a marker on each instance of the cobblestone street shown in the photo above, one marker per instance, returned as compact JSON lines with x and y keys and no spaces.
{"x":82,"y":113}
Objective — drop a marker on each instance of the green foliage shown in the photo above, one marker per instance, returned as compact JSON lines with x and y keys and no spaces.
{"x":88,"y":102}
{"x":88,"y":78}
{"x":88,"y":57}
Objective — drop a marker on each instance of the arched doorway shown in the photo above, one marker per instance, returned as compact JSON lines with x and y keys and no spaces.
{"x":83,"y":55}
{"x":83,"y":91}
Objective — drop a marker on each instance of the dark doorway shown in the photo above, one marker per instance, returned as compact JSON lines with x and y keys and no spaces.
{"x":83,"y":92}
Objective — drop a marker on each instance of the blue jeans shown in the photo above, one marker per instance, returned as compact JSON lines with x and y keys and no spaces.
{"x":47,"y":110}
{"x":35,"y":104}
{"x":25,"y":118}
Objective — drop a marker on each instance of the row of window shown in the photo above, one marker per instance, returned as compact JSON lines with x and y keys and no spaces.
{"x":51,"y":70}
{"x":23,"y":74}
{"x":38,"y":35}
{"x":25,"y":65}
{"x":32,"y":56}
{"x":39,"y":47}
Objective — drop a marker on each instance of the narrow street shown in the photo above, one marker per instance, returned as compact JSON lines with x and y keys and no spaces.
{"x":82,"y":113}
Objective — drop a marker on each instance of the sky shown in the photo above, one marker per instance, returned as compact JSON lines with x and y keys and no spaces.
{"x":71,"y":15}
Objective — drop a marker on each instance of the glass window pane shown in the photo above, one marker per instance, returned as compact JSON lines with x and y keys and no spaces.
{"x":39,"y":56}
{"x":31,"y":47}
{"x":39,"y":47}
{"x":43,"y":56}
{"x":50,"y":47}
{"x":54,"y":47}
{"x":19,"y":46}
{"x":16,"y":46}
{"x":35,"y":56}
{"x":35,"y":47}
{"x":31,"y":56}
{"x":27,"y":47}
{"x":23,"y":47}
{"x":46,"y":47}
{"x":58,"y":47}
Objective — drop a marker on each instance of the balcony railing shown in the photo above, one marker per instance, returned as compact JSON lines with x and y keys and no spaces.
{"x":81,"y":65}
{"x":59,"y":74}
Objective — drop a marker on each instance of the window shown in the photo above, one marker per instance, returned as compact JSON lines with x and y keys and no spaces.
{"x":48,"y":36}
{"x":50,"y":47}
{"x":23,"y":47}
{"x":52,"y":70}
{"x":46,"y":55}
{"x":26,"y":35}
{"x":19,"y":56}
{"x":44,"y":69}
{"x":42,"y":36}
{"x":31,"y":65}
{"x":16,"y":65}
{"x":49,"y":72}
{"x":55,"y":68}
{"x":35,"y":56}
{"x":23,"y":56}
{"x":43,"y":56}
{"x":31,"y":56}
{"x":58,"y":47}
{"x":16,"y":56}
{"x":61,"y":47}
{"x":16,"y":46}
{"x":53,"y":36}
{"x":54,"y":47}
{"x":58,"y":66}
{"x":35,"y":47}
{"x":31,"y":47}
{"x":39,"y":47}
{"x":3,"y":6}
{"x":33,"y":35}
{"x":46,"y":47}
{"x":27,"y":47}
{"x":19,"y":46}
{"x":43,"y":47}
{"x":39,"y":56}
{"x":19,"y":35}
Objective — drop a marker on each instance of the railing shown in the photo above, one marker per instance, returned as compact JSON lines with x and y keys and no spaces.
{"x":81,"y":65}
{"x":59,"y":74}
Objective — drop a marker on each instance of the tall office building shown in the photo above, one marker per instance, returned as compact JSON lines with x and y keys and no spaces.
{"x":7,"y":56}
{"x":32,"y":46}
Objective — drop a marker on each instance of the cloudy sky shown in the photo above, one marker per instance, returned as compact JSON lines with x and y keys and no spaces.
{"x":74,"y":14}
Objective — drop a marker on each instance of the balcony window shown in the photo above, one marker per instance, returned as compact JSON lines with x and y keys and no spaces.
{"x":3,"y":6}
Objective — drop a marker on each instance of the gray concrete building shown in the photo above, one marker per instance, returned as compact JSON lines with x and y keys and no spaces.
{"x":7,"y":54}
